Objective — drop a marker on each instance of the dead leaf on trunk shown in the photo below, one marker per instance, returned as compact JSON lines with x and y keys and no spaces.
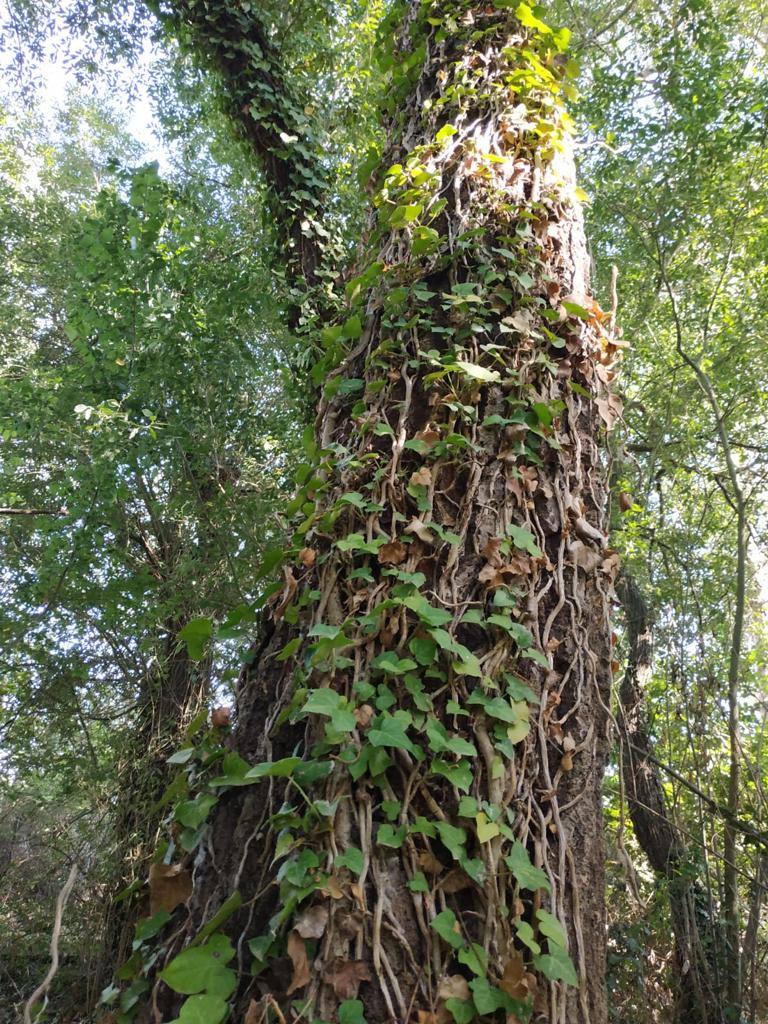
{"x":421,"y":477}
{"x":516,"y":981}
{"x":455,"y":881}
{"x":311,"y":924}
{"x":287,"y":593}
{"x":221,"y":717}
{"x":298,"y":953}
{"x":610,"y":409}
{"x":169,"y":885}
{"x":417,"y":527}
{"x":307,"y":557}
{"x":253,"y":1015}
{"x":429,"y":863}
{"x":455,"y":986}
{"x":363,"y":715}
{"x":345,"y":976}
{"x":392,"y":553}
{"x":429,"y":437}
{"x":332,"y":888}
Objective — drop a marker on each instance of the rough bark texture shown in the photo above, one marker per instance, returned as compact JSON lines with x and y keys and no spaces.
{"x":448,"y":591}
{"x":698,"y":999}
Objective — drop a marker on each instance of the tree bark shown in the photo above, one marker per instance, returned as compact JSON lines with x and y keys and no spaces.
{"x":699,"y":999}
{"x":439,"y":654}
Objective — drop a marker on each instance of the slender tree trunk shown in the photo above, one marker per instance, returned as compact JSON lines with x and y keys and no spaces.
{"x":749,"y":946}
{"x":172,"y":694}
{"x":736,"y":498}
{"x":699,"y":999}
{"x":439,"y":655}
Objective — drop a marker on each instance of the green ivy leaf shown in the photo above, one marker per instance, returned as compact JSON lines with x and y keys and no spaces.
{"x":452,"y":837}
{"x":389,"y":662}
{"x":527,"y":876}
{"x":201,"y":969}
{"x":195,"y":635}
{"x":551,"y":927}
{"x":556,"y":965}
{"x":447,"y":927}
{"x":351,"y":858}
{"x":203,"y":1009}
{"x":388,"y":835}
{"x":351,"y":1012}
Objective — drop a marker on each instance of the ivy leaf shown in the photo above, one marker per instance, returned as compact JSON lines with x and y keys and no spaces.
{"x":389,"y":662}
{"x":195,"y":635}
{"x":551,"y":927}
{"x":419,"y":883}
{"x":193,"y":813}
{"x":445,"y":133}
{"x":201,"y":968}
{"x":486,"y":830}
{"x":462,"y":1010}
{"x":478,"y":372}
{"x":423,"y":648}
{"x":459,"y":775}
{"x":323,"y":701}
{"x":351,"y":1012}
{"x":468,"y":666}
{"x":351,"y":858}
{"x":527,"y":876}
{"x":475,"y":958}
{"x":452,"y":837}
{"x":440,"y":740}
{"x":203,"y":1009}
{"x":524,"y":540}
{"x":487,"y":998}
{"x":388,"y":835}
{"x":427,"y":613}
{"x":557,"y":966}
{"x":447,"y":927}
{"x":273,"y":769}
{"x":390,"y":732}
{"x":526,"y":936}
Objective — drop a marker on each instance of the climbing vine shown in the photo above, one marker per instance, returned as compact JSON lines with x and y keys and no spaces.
{"x":421,"y":734}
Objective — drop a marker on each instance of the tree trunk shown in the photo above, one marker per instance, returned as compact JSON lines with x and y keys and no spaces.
{"x":439,"y":655}
{"x":698,"y":997}
{"x":173,"y":692}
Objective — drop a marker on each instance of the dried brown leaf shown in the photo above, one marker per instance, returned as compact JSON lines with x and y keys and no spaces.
{"x":307,"y":557}
{"x":454,"y":987}
{"x":429,"y":437}
{"x":429,"y":863}
{"x":455,"y":881}
{"x":422,"y":477}
{"x":254,"y":1014}
{"x":332,"y":888}
{"x":363,"y":715}
{"x":287,"y":593}
{"x":221,"y":717}
{"x":392,"y":553}
{"x":417,"y":527}
{"x":297,"y":951}
{"x":169,"y":885}
{"x":311,"y":924}
{"x":345,"y":976}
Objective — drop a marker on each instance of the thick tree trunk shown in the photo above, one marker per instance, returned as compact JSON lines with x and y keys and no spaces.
{"x":698,"y":998}
{"x":439,"y":655}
